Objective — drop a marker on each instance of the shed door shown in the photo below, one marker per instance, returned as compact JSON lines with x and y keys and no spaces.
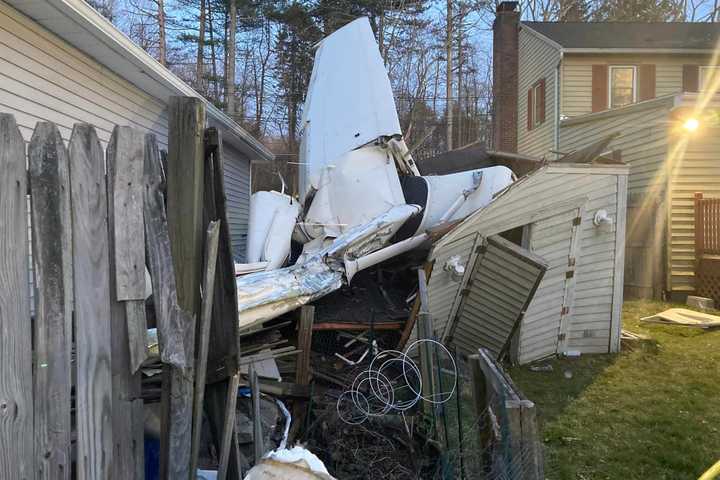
{"x":237,"y":191}
{"x":545,"y":326}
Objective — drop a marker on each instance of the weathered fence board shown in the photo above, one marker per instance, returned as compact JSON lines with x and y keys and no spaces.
{"x":51,"y":226}
{"x":128,"y":327}
{"x":185,"y":218}
{"x":170,"y":319}
{"x":16,"y":403}
{"x":92,"y":305}
{"x":125,"y":167}
{"x":211,"y":250}
{"x":125,"y":155}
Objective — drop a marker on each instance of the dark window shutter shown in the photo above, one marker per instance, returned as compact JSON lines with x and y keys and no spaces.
{"x":530,"y":109}
{"x":541,"y":108}
{"x":646,"y":81}
{"x":691,"y":78}
{"x":599,"y":88}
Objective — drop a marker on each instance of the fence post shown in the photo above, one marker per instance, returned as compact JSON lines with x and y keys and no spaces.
{"x":699,"y":228}
{"x":185,"y":182}
{"x":16,"y":403}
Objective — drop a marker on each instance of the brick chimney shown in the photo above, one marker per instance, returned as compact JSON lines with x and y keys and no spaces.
{"x":505,"y":77}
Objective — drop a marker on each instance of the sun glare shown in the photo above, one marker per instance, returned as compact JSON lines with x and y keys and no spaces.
{"x":691,"y":124}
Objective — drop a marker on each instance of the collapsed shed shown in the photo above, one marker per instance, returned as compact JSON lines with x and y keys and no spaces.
{"x":569,"y":218}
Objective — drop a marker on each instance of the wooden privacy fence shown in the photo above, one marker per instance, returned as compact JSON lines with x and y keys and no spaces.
{"x":71,"y":374}
{"x":707,"y":247}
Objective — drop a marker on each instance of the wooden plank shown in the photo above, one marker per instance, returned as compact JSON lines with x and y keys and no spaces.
{"x":224,"y":335}
{"x":125,"y":161}
{"x":170,"y":319}
{"x":184,"y":217}
{"x":228,"y":427}
{"x":258,"y":444}
{"x":307,"y":318}
{"x":125,"y":378}
{"x":302,"y":366}
{"x":16,"y":412}
{"x":93,"y":390}
{"x":211,"y":250}
{"x":51,"y":221}
{"x":412,"y":319}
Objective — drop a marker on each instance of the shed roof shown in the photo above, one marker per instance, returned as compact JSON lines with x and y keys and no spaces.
{"x":630,"y":35}
{"x":83,"y":27}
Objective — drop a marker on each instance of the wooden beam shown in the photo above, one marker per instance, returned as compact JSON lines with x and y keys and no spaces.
{"x":211,"y":250}
{"x":259,"y":448}
{"x":410,"y":324}
{"x":125,"y":185}
{"x":302,"y":366}
{"x":52,"y":224}
{"x":224,"y":336}
{"x":185,"y":224}
{"x":128,"y":326}
{"x":171,"y":320}
{"x":93,"y":390}
{"x":356,"y":326}
{"x":16,"y":401}
{"x":228,"y":427}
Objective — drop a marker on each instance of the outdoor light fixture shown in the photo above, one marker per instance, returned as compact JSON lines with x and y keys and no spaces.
{"x":691,"y":124}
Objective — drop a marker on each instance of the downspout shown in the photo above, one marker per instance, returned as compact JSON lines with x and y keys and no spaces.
{"x":556,"y":146}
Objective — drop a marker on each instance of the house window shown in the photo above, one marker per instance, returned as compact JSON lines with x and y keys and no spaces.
{"x":622,"y":85}
{"x":708,"y":77}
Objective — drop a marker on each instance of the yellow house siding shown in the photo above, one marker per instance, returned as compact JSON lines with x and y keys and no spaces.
{"x":537,"y":59}
{"x":577,"y":76}
{"x":696,"y":168}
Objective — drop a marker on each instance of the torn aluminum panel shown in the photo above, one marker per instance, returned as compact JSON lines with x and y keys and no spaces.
{"x":501,"y":284}
{"x":349,"y":101}
{"x":266,"y":295}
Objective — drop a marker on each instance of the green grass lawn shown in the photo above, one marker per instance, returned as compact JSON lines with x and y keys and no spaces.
{"x":650,"y":413}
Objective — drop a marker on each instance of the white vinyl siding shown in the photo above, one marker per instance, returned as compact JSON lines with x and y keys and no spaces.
{"x":42,"y":78}
{"x":237,"y":191}
{"x":548,"y":199}
{"x":537,"y":60}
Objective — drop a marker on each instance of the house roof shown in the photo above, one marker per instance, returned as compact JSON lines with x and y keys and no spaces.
{"x":630,"y":35}
{"x":84,"y":28}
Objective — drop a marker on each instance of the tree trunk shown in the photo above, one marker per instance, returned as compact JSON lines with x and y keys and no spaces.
{"x":200,"y":67}
{"x":230,"y":60}
{"x":449,"y":77}
{"x":460,"y":140}
{"x":213,"y":58}
{"x":162,"y":42}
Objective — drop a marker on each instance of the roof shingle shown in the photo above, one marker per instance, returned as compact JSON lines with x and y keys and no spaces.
{"x":670,"y":35}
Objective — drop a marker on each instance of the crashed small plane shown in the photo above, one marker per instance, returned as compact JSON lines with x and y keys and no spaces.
{"x":363,"y":199}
